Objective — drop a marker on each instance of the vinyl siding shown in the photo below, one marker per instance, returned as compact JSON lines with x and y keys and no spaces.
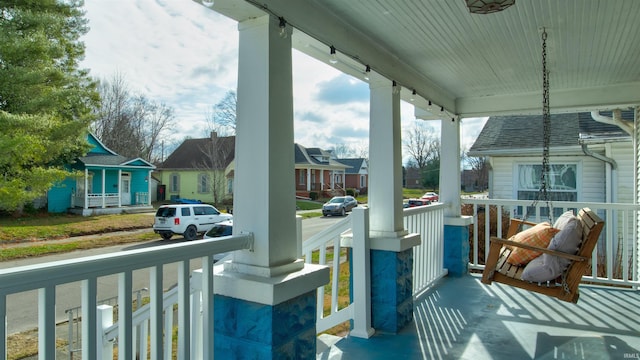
{"x":590,"y":177}
{"x":622,"y":153}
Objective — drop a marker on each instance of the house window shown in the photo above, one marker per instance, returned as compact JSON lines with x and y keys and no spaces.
{"x":562,"y":184}
{"x":338,"y":179}
{"x":229,"y":186}
{"x":203,"y":183}
{"x":301,"y":176}
{"x":363,"y":181}
{"x":174,"y":183}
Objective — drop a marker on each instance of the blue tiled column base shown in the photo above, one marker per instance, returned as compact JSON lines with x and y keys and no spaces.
{"x":391,"y":290}
{"x":248,"y":330}
{"x":456,"y":249}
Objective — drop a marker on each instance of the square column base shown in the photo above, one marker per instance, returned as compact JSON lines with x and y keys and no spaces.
{"x":456,"y":249}
{"x":391,"y":289}
{"x":250,"y":330}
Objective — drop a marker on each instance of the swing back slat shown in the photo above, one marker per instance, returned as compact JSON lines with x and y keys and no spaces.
{"x":499,"y":270}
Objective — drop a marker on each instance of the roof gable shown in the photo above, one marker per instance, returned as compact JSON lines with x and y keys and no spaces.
{"x":97,"y":147}
{"x":102,"y":156}
{"x":354,"y":165}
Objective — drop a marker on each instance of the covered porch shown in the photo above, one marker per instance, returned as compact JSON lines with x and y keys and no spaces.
{"x":268,"y":300}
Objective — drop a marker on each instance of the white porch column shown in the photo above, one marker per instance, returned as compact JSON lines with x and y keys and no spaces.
{"x":333,"y":179}
{"x":149,"y":187}
{"x":86,"y":188}
{"x":104,"y":194}
{"x":270,"y":274}
{"x":450,"y":168}
{"x":321,"y":180}
{"x":391,"y":244}
{"x":308,"y":179}
{"x":119,"y":187}
{"x":456,"y":229}
{"x":385,"y":160}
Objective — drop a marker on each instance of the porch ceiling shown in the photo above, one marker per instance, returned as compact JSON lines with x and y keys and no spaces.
{"x":474,"y":65}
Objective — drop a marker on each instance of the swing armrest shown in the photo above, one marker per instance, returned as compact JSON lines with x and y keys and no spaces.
{"x":539,"y":249}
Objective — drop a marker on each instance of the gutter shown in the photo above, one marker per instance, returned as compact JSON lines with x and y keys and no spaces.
{"x":616,"y":120}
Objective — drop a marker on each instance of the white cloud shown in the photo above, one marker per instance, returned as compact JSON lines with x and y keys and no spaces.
{"x":185,"y":55}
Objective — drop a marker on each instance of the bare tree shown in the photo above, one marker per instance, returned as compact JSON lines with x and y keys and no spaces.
{"x":342,"y":151}
{"x":223,"y":116}
{"x":422,"y":145}
{"x":131,"y":125}
{"x":215,"y":154}
{"x":480,"y":170}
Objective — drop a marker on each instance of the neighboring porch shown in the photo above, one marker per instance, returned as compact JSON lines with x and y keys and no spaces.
{"x":461,"y":318}
{"x":109,"y":191}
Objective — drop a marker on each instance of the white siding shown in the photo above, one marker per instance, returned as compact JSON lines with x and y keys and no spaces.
{"x":622,"y":153}
{"x":590,"y":177}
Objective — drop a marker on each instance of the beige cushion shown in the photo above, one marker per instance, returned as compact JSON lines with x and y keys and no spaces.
{"x":539,"y":235}
{"x":568,"y":240}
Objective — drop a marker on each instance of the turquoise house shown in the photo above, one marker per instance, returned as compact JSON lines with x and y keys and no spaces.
{"x":106,"y":183}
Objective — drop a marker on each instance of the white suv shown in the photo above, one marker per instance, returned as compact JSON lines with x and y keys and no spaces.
{"x":186,"y":219}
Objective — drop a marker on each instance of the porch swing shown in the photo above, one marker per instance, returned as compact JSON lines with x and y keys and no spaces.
{"x":524,"y":261}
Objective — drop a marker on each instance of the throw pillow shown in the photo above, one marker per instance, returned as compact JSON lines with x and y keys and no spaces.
{"x":568,"y":240}
{"x":539,"y":235}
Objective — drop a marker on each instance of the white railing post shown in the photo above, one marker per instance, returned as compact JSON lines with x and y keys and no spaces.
{"x":104,"y":316}
{"x":196,"y":318}
{"x":361,"y":274}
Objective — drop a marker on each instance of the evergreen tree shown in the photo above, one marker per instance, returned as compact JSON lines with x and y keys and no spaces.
{"x":46,"y":100}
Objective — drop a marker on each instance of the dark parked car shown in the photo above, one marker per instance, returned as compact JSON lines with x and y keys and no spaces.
{"x":339,"y":205}
{"x":418,"y":202}
{"x":224,"y":228}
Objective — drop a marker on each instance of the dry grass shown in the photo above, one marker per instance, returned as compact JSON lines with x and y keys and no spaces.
{"x":25,"y":344}
{"x":54,"y":227}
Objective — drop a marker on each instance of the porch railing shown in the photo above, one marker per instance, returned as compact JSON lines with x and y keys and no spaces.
{"x":351,"y":234}
{"x":615,"y":261}
{"x":95,"y":200}
{"x":46,"y":277}
{"x":346,"y":241}
{"x":428,"y":257}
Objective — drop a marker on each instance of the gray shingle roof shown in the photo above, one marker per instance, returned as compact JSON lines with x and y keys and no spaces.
{"x":354,"y":165}
{"x":524,"y":132}
{"x":304,"y":156}
{"x":103,"y":159}
{"x":195,"y":153}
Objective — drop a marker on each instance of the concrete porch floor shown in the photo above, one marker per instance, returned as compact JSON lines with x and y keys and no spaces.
{"x":461,"y":318}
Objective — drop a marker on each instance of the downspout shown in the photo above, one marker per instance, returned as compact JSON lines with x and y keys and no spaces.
{"x":612,"y":174}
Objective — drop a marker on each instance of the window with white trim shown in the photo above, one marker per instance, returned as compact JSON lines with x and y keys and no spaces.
{"x":203,"y":183}
{"x":174,"y":183}
{"x":562,"y":182}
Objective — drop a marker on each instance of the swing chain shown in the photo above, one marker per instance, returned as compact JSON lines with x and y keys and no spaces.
{"x":543,"y":194}
{"x":546,"y":125}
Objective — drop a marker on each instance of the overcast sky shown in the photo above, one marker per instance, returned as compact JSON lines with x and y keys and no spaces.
{"x":185,"y":55}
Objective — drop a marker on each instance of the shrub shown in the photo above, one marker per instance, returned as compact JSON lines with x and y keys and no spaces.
{"x":351,"y":192}
{"x":313,"y":195}
{"x":467,"y":209}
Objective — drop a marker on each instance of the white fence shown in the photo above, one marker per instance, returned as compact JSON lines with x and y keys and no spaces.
{"x":615,"y":260}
